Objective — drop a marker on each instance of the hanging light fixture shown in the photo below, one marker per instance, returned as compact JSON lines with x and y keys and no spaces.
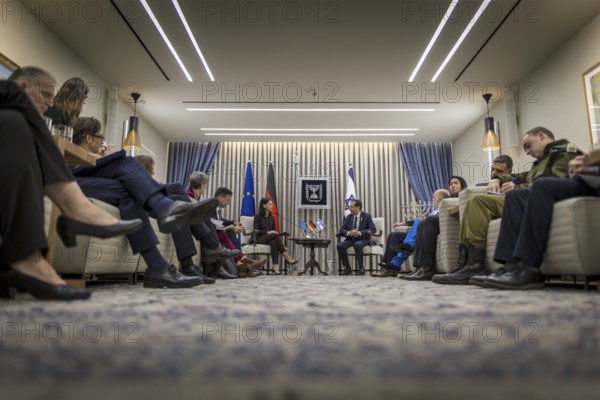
{"x":490,"y":139}
{"x":133,"y":143}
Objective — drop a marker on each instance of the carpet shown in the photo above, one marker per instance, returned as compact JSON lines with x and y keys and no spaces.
{"x":307,"y":337}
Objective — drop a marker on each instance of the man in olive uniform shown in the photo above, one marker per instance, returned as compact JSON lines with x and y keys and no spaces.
{"x":552,"y":160}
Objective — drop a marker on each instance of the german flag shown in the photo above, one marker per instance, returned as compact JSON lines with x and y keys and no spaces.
{"x":271,"y":194}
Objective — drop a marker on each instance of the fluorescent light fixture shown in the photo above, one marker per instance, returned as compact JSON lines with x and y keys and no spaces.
{"x":434,"y":38}
{"x":317,"y":109}
{"x":462,"y":37}
{"x":304,"y":134}
{"x":311,"y":129}
{"x":165,"y":38}
{"x":192,"y":38}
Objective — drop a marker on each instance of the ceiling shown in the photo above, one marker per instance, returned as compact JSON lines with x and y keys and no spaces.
{"x":351,"y":54}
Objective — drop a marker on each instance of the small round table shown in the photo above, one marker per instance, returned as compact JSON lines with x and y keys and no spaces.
{"x":312,"y":243}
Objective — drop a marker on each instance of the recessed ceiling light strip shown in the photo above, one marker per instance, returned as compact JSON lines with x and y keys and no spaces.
{"x":193,"y":39}
{"x":311,"y":129}
{"x":488,"y":39}
{"x":434,"y":38}
{"x":305,"y":135}
{"x":317,"y":109}
{"x":462,"y":38}
{"x":165,"y":38}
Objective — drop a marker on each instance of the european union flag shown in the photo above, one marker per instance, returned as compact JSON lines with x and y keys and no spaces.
{"x":248,"y":204}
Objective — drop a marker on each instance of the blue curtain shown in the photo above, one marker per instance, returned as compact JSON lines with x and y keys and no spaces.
{"x":428,"y":167}
{"x":186,"y":157}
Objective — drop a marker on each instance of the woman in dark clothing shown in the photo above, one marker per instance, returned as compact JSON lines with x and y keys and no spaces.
{"x":31,"y":167}
{"x":265,"y":233}
{"x":68,"y":102}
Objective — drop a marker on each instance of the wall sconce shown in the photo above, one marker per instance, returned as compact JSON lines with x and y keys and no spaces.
{"x":133,"y":143}
{"x":490,"y":139}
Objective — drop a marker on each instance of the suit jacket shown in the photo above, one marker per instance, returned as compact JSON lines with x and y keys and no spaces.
{"x":365,"y":226}
{"x":219,"y":217}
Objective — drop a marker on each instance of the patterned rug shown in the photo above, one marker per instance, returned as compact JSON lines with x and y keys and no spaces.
{"x":303,"y":338}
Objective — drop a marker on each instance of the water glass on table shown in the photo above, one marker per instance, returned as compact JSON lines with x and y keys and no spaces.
{"x":64,"y":131}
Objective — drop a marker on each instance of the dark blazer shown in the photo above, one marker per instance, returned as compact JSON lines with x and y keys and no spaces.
{"x":263,"y":224}
{"x":226,"y":222}
{"x":365,"y":226}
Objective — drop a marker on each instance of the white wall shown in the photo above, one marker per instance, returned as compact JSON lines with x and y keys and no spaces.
{"x":27,"y":42}
{"x":559,"y":104}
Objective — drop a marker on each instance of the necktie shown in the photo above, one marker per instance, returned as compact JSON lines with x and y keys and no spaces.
{"x":355,"y":222}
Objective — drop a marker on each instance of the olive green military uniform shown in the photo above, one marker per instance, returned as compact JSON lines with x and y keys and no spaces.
{"x":483,"y":208}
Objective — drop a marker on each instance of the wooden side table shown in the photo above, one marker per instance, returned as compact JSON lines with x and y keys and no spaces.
{"x":312,"y":244}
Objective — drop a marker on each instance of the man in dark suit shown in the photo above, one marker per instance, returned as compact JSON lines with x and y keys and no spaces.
{"x":357,"y":229}
{"x":525,"y":226}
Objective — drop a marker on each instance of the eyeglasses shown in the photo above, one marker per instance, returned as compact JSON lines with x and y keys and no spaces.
{"x":101,"y":137}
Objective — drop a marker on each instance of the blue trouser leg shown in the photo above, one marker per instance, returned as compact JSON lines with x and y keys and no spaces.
{"x":112,"y":192}
{"x":410,"y":239}
{"x":392,"y":242}
{"x":132,"y":176}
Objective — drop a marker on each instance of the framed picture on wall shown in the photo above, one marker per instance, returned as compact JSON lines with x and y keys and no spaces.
{"x":591,"y":83}
{"x":313,"y":192}
{"x":6,"y":66}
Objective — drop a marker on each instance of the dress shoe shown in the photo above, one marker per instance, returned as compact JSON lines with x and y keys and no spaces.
{"x":219,"y":252}
{"x":13,"y":279}
{"x":422,"y":274}
{"x":291,"y":261}
{"x":244,"y":271}
{"x":361,"y":271}
{"x":253,"y":265}
{"x":169,"y":277}
{"x":410,"y":273}
{"x":520,"y":277}
{"x":480,"y":280}
{"x":68,"y":228}
{"x":346,"y":271}
{"x":386,"y":273}
{"x":220,"y":273}
{"x":182,"y":213}
{"x":386,"y":265}
{"x":194,"y":270}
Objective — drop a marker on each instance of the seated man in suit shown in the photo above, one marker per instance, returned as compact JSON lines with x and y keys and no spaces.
{"x":552,"y":159}
{"x":357,"y":229}
{"x":525,"y":226}
{"x":124,"y":183}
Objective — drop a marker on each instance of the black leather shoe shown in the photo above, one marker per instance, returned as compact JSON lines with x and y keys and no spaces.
{"x":10,"y":280}
{"x":480,"y":280}
{"x":194,"y":270}
{"x":169,"y":277}
{"x":422,"y":274}
{"x":221,"y":273}
{"x":219,"y":252}
{"x":346,"y":271}
{"x":182,"y":213}
{"x":68,"y":228}
{"x":520,"y":277}
{"x":361,"y":271}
